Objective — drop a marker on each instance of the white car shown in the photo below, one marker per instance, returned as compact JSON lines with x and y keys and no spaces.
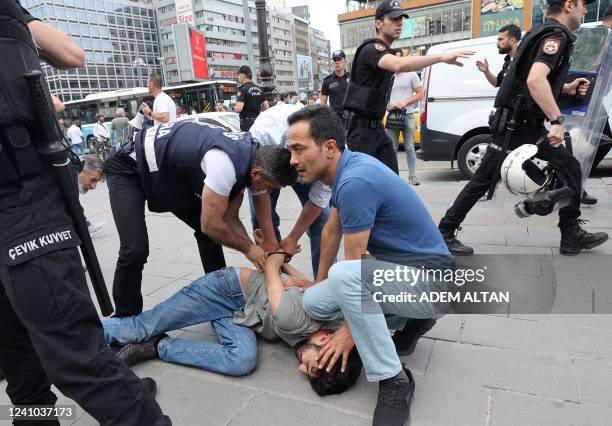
{"x":228,"y":120}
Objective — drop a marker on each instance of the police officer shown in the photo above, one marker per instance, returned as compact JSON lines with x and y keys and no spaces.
{"x":537,"y":73}
{"x":508,"y":39}
{"x":198,"y":173}
{"x":251,"y":100}
{"x":334,"y":85}
{"x":370,"y":83}
{"x":50,"y":332}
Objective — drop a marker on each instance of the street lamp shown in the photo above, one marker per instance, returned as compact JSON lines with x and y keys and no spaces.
{"x":162,"y":61}
{"x":265,"y":65}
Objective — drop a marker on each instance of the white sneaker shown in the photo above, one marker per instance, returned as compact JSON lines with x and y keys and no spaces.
{"x":412,"y":179}
{"x":96,"y":228}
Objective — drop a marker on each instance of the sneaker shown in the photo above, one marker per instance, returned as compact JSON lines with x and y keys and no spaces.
{"x":394,"y":397}
{"x":588,"y":199}
{"x":413,"y":180}
{"x":134,"y":353}
{"x":405,"y":340}
{"x":455,"y":246}
{"x":96,"y":228}
{"x":574,"y":239}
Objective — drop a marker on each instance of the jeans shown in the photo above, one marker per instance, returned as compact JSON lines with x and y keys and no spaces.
{"x":214,"y":297}
{"x":78,"y":148}
{"x":348,"y":292}
{"x":408,"y":132}
{"x":314,"y":231}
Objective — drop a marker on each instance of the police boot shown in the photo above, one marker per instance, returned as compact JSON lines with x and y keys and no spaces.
{"x":150,"y":385}
{"x":134,"y":353}
{"x":574,"y":239}
{"x":455,"y":246}
{"x":394,"y":397}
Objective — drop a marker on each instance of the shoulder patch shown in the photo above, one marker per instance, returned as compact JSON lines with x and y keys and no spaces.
{"x":239,"y":93}
{"x":379,"y":47}
{"x":551,"y":46}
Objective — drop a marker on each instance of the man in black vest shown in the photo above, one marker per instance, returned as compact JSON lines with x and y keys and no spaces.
{"x":537,"y":73}
{"x":370,"y":83}
{"x":334,"y":85}
{"x":50,"y":332}
{"x":251,"y":99}
{"x":197,"y":172}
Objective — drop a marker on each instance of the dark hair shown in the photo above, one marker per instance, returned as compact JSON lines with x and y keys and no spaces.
{"x":283,"y":96}
{"x":608,"y":13}
{"x":513,"y":31}
{"x":334,"y":382}
{"x":291,"y":93}
{"x":155,"y":80}
{"x":324,"y":124}
{"x":273,"y":164}
{"x":557,"y":8}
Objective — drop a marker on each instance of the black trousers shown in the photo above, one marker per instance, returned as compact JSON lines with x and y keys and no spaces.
{"x":374,"y":142}
{"x":127,"y":200}
{"x":564,"y":164}
{"x":246,"y":124}
{"x":49,"y":329}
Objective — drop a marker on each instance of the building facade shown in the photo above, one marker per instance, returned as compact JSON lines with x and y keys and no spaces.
{"x":119,"y":39}
{"x":321,"y":57}
{"x":282,"y":49}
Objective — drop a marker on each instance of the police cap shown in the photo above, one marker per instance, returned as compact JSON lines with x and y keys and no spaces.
{"x":390,"y":8}
{"x":337,"y":55}
{"x":246,"y":70}
{"x":556,"y":2}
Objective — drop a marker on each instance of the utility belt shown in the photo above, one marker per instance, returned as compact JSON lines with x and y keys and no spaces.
{"x":18,"y":156}
{"x":499,"y":119}
{"x":356,"y":120}
{"x":248,"y":119}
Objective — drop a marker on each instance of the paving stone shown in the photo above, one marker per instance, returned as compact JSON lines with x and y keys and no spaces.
{"x":594,"y":379}
{"x":168,"y":269}
{"x":447,"y":328}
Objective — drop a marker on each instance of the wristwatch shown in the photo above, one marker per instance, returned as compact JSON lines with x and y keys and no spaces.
{"x":559,"y":120}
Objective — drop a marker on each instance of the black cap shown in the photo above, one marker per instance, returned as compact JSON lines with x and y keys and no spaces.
{"x":555,"y":2}
{"x":338,"y":54}
{"x":245,"y":69}
{"x":390,"y":8}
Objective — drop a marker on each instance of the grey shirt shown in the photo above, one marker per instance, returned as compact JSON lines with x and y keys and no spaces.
{"x":290,"y":323}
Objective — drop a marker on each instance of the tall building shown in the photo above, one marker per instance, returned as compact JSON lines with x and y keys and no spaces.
{"x":282,"y":49}
{"x":321,"y":57}
{"x":228,"y":28}
{"x":119,"y":39}
{"x":303,"y":64}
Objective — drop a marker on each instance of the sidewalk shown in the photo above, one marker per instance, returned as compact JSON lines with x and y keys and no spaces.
{"x":469,"y":370}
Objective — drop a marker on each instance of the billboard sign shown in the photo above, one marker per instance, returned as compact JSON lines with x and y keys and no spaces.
{"x":184,"y":12}
{"x":304,"y":67}
{"x":198,"y":54}
{"x":494,"y":14}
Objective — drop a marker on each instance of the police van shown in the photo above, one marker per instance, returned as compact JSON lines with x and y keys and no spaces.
{"x":458,"y":100}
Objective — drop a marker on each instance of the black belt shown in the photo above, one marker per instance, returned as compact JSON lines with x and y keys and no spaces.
{"x":248,"y":118}
{"x":531,"y":122}
{"x":372,"y":123}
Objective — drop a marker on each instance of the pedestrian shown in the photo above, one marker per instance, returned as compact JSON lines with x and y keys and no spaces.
{"x":370,"y":83}
{"x":101,"y":133}
{"x":219,"y":107}
{"x":164,"y":108}
{"x":251,"y":100}
{"x":119,"y":126}
{"x":334,"y":85}
{"x":88,"y":178}
{"x":75,"y":134}
{"x":282,"y":97}
{"x":406,"y":92}
{"x":50,"y":332}
{"x":292,"y":97}
{"x":537,"y":73}
{"x":508,"y":39}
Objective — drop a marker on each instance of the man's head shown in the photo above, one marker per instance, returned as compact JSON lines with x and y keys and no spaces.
{"x":154,"y":84}
{"x":316,"y":139}
{"x":607,"y":17}
{"x":389,"y":19}
{"x":324,"y":382}
{"x":244,"y":74}
{"x":338,"y":60}
{"x":283,"y":97}
{"x":568,"y":12}
{"x":120,"y":112}
{"x":271,"y":169}
{"x":92,"y":173}
{"x":508,"y":39}
{"x":398,"y":52}
{"x":100,"y":117}
{"x":219,"y":107}
{"x":292,"y":97}
{"x":76,"y":123}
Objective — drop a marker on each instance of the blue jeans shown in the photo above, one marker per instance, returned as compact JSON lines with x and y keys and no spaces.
{"x":408,"y":132}
{"x":78,"y":148}
{"x":214,"y":297}
{"x":348,"y":292}
{"x":314,"y":231}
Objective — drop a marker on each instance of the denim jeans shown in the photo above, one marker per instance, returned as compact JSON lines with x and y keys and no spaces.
{"x":408,"y":132}
{"x":214,"y":297}
{"x":313,"y":232}
{"x":78,"y":148}
{"x":348,"y":292}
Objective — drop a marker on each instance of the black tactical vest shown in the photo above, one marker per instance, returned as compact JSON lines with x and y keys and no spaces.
{"x":513,"y":86}
{"x":169,"y":162}
{"x":364,"y":100}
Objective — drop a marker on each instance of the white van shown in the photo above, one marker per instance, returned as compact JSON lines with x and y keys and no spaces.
{"x":458,"y":100}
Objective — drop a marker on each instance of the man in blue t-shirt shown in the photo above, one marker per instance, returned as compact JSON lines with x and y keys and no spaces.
{"x":376,"y":212}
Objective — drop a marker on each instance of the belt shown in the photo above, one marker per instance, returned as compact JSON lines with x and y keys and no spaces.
{"x":366,"y":122}
{"x":530,"y":122}
{"x":248,"y":118}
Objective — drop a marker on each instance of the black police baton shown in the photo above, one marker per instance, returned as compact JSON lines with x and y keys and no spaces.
{"x":511,"y":128}
{"x":51,"y":148}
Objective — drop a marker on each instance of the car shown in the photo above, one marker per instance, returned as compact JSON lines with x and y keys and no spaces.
{"x":228,"y":120}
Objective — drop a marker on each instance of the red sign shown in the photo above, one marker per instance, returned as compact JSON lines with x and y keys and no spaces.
{"x":198,"y":54}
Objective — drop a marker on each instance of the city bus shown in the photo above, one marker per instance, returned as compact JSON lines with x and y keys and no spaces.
{"x":189,"y":99}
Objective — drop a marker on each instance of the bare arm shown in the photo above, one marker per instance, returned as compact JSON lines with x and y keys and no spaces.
{"x":238,"y":107}
{"x":55,"y":47}
{"x":232,"y":217}
{"x":331,"y":235}
{"x":398,"y":64}
{"x":417,"y":96}
{"x":264,"y":106}
{"x":540,"y":90}
{"x":323,"y":99}
{"x":214,"y":208}
{"x":272,"y":279}
{"x":263,"y":210}
{"x":356,"y":245}
{"x":163,"y":117}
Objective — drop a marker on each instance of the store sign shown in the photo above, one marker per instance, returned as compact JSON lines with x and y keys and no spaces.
{"x":494,"y":14}
{"x":184,"y":11}
{"x":198,"y":54}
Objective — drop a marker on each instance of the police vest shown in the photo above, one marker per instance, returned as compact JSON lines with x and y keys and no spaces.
{"x":169,"y":162}
{"x":512,"y":85}
{"x":364,"y":100}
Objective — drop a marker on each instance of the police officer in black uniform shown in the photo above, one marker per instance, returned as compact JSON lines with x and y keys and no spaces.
{"x":507,"y":44}
{"x":169,"y":175}
{"x":50,"y":332}
{"x":334,"y":85}
{"x":537,"y":73}
{"x":371,"y":79}
{"x":251,"y":99}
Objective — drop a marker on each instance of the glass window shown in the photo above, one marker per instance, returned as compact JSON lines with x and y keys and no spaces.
{"x":96,"y":43}
{"x":74,"y":29}
{"x":60,"y":12}
{"x":72,"y":15}
{"x":95,"y":31}
{"x":83,"y":29}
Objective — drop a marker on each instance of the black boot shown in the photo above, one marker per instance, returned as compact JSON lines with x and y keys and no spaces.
{"x":394,"y":396}
{"x":134,"y":353}
{"x":588,"y":199}
{"x":150,"y":385}
{"x":406,"y":340}
{"x":574,"y":239}
{"x":455,"y":246}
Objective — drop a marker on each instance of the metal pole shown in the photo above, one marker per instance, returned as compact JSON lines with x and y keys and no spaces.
{"x":162,"y":62}
{"x":265,"y":65}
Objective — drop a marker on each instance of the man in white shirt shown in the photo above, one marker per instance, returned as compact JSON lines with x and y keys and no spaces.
{"x":76,"y":137}
{"x":100,"y":131}
{"x":164,"y":109}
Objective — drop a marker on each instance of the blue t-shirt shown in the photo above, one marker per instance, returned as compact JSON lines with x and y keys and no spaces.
{"x":368,"y":195}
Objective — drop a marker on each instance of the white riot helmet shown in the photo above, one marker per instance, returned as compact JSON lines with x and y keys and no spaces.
{"x":522,"y":172}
